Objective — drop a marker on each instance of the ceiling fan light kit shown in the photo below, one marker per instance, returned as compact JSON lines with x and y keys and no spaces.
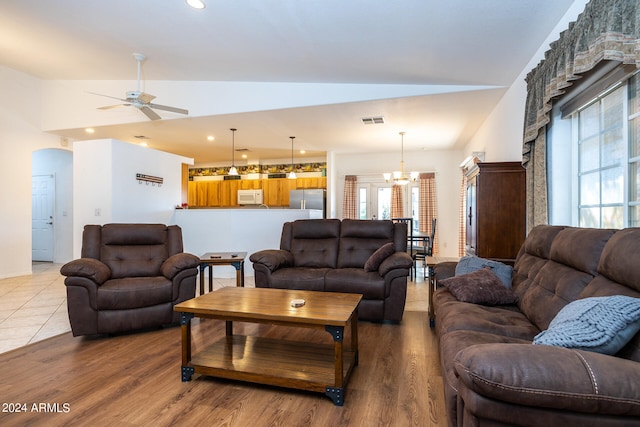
{"x":142,"y":100}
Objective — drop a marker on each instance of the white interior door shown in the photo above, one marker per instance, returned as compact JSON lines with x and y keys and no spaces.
{"x":42,"y":193}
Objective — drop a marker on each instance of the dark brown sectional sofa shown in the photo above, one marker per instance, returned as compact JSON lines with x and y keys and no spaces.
{"x":495,"y":376}
{"x":330,"y":255}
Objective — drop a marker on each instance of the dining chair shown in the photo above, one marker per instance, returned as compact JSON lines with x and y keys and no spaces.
{"x":410,"y":241}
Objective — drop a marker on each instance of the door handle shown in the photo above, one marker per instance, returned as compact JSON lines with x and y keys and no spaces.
{"x":50,"y":223}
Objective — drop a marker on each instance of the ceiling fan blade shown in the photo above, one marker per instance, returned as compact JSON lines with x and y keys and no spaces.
{"x":167,"y":108}
{"x":109,"y":107}
{"x":107,"y":96}
{"x":150,"y":113}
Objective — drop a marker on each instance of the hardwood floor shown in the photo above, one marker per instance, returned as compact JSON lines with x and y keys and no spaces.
{"x":134,"y":380}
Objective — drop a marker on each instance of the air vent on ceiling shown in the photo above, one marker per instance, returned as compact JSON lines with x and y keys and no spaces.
{"x":377,"y":120}
{"x":140,"y":137}
{"x":242,"y":150}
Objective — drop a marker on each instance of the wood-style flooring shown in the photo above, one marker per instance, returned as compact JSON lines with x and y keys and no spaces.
{"x":134,"y":380}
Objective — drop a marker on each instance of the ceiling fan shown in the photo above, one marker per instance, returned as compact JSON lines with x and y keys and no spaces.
{"x":142,"y":100}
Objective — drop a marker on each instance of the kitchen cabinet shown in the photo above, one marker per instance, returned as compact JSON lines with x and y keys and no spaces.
{"x":222,"y":193}
{"x":495,"y":210}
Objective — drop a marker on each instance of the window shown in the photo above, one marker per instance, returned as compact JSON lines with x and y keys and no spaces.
{"x":606,"y":135}
{"x":362,"y":203}
{"x":374,"y":199}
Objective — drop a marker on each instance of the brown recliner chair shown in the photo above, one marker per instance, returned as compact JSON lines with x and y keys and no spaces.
{"x":129,"y":277}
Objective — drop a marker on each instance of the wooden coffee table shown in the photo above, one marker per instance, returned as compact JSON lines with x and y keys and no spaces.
{"x":302,"y":365}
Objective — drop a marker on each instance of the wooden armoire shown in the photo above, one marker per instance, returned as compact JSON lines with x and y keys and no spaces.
{"x":496,"y":210}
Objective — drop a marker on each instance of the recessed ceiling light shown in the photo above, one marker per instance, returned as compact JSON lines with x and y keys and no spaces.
{"x":302,"y":151}
{"x":210,"y":138}
{"x":144,"y":144}
{"x":244,"y":156}
{"x":196,"y":4}
{"x":89,"y":130}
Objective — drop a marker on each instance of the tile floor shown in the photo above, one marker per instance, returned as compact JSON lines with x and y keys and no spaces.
{"x":34,"y":307}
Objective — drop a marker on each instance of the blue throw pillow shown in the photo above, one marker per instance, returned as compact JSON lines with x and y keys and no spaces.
{"x":600,"y":324}
{"x":469,"y":264}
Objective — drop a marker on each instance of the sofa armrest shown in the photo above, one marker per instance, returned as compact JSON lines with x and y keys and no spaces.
{"x":92,"y":269}
{"x":551,"y":377}
{"x":396,"y":260}
{"x":272,"y":258}
{"x":444,"y":270}
{"x":177,"y":263}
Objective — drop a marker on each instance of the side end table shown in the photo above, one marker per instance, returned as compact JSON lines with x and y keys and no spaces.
{"x":234,"y":259}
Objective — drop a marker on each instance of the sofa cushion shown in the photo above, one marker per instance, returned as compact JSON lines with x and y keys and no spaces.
{"x":600,"y":324}
{"x":471,"y":263}
{"x":357,"y":281}
{"x":303,"y":278}
{"x":134,"y":292}
{"x":134,"y":260}
{"x":615,"y":262}
{"x":314,"y":243}
{"x":374,"y":261}
{"x":580,"y":248}
{"x":359,"y":239}
{"x":480,"y":287}
{"x":504,"y":320}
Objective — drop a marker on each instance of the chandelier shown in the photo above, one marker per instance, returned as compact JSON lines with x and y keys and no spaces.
{"x":292,"y":174}
{"x":232,"y":169}
{"x":400,"y":177}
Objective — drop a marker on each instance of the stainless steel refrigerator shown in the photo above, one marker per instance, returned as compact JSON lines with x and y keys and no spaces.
{"x":315,"y":198}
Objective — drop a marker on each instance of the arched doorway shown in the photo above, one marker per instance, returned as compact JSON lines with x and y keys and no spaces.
{"x":52,"y":205}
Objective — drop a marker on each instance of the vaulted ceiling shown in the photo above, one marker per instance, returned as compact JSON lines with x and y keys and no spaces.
{"x":434,"y":69}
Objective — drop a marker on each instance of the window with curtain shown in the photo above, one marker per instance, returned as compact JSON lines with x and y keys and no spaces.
{"x":603,"y":39}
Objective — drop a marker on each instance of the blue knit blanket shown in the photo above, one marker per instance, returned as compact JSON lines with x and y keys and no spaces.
{"x":600,"y":324}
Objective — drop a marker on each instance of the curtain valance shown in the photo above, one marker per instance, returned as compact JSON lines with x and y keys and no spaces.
{"x":605,"y":30}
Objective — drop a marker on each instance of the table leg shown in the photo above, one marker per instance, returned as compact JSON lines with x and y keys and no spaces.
{"x":432,"y":285}
{"x":186,"y":371}
{"x":336,"y":393}
{"x":202,"y":267}
{"x":354,"y":338}
{"x":229,"y":328}
{"x":239,"y":266}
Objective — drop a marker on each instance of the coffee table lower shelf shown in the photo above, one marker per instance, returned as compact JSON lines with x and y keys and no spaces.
{"x":300,"y":365}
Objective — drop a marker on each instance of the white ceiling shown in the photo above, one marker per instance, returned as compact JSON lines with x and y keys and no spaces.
{"x":458,"y":56}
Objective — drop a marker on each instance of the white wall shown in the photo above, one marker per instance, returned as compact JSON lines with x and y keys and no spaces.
{"x":106,"y":189}
{"x":20,"y":135}
{"x":448,"y":179}
{"x":500,"y":136}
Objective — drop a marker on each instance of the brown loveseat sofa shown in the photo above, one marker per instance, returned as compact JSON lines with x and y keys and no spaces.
{"x":331,"y":255}
{"x":129,"y":277}
{"x":494,"y":375}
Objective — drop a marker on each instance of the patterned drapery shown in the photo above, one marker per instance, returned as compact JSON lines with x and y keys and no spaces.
{"x":397,"y":207}
{"x":462,"y":222}
{"x":350,"y":197}
{"x":428,"y":205}
{"x":605,"y":30}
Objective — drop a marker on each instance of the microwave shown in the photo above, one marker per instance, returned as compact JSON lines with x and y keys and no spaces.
{"x":250,"y":197}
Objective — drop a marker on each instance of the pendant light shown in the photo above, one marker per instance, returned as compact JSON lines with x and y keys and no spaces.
{"x":292,"y":174}
{"x":232,"y":169}
{"x":399,"y":177}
